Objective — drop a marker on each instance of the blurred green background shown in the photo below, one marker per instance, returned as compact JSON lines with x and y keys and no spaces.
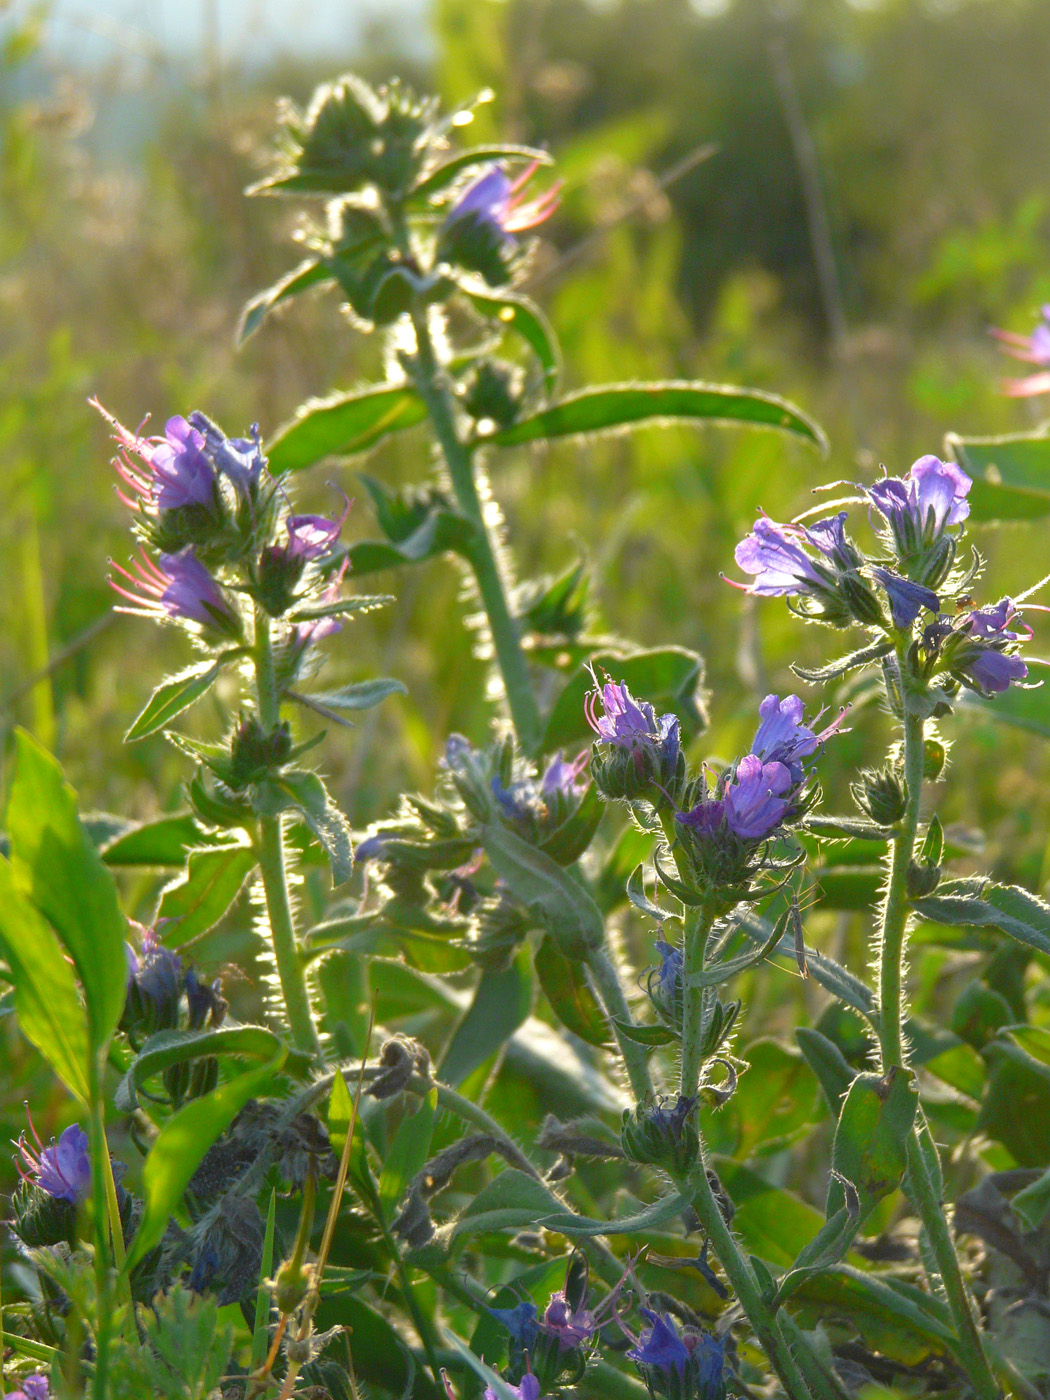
{"x":829,"y":200}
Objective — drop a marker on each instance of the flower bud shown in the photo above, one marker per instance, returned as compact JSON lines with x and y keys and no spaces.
{"x":493,"y":393}
{"x":40,"y":1219}
{"x":861,"y":601}
{"x":500,"y":927}
{"x":882,"y":794}
{"x":254,"y":753}
{"x":921,"y":879}
{"x":661,"y":1136}
{"x":638,"y":756}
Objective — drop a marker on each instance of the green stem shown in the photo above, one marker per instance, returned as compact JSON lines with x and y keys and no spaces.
{"x":517,"y":683}
{"x":698,"y":923}
{"x":746,"y":1287}
{"x":923,"y":1188}
{"x":607,"y":984}
{"x":269,"y":848}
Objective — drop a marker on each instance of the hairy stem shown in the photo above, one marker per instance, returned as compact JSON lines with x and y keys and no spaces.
{"x":269,"y":848}
{"x":923,"y":1186}
{"x":517,"y":684}
{"x":749,"y":1294}
{"x":607,"y":984}
{"x":698,"y":923}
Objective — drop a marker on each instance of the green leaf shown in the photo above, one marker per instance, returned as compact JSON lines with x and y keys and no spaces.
{"x":638,"y":897}
{"x":895,"y":1319}
{"x":340,"y":1113}
{"x":649,"y":1036}
{"x":719,"y":972}
{"x":848,"y":886}
{"x":515,"y":312}
{"x":570,"y":996}
{"x":343,"y":425}
{"x":501,"y":1003}
{"x":306,"y":794}
{"x":49,"y":1009}
{"x":873,"y":1130}
{"x":437,"y":180}
{"x":173,"y":696}
{"x":771,"y":1222}
{"x":341,"y":607}
{"x":1011,"y":475}
{"x":56,"y":864}
{"x":563,"y":907}
{"x":163,"y":842}
{"x":308,"y":274}
{"x":360,"y":696}
{"x":1009,"y":908}
{"x":581,"y":1226}
{"x":182,"y":1143}
{"x":828,"y":1063}
{"x":264,"y":1298}
{"x":834,"y":669}
{"x":441,"y":532}
{"x":168,"y":1048}
{"x":855,"y":828}
{"x":513,"y":1200}
{"x":1032,"y":1203}
{"x":669,"y":678}
{"x":611,"y":407}
{"x":197,"y":900}
{"x":407,"y":1152}
{"x":492,"y":1379}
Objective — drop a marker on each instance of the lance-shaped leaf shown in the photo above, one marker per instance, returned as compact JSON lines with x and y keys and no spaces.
{"x":173,"y":1047}
{"x":1011,"y":475}
{"x":638,"y":897}
{"x":47,"y":1003}
{"x":719,"y":972}
{"x":361,"y":695}
{"x":828,"y":1063}
{"x":864,"y":657}
{"x":1009,"y":908}
{"x":55,"y":862}
{"x":343,"y":425}
{"x":611,"y":407}
{"x":870,"y":1147}
{"x":649,"y":1036}
{"x":306,"y":794}
{"x":197,"y":900}
{"x":516,"y":313}
{"x":855,"y":828}
{"x":182,"y":1143}
{"x":166,"y":841}
{"x":569,"y":993}
{"x":582,"y":1226}
{"x":561,"y":906}
{"x":501,"y":1002}
{"x":341,"y":607}
{"x":173,"y":696}
{"x":309,"y":273}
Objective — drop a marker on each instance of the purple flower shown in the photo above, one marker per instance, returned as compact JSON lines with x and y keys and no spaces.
{"x":156,"y":978}
{"x":32,"y":1388}
{"x":992,"y":672}
{"x":528,"y":1389}
{"x":992,"y":623}
{"x":921,"y":506}
{"x":62,"y":1169}
{"x":181,"y":587}
{"x":754,"y":800}
{"x":241,"y":460}
{"x":780,"y":565}
{"x":707,"y":817}
{"x":659,"y":1345}
{"x":520,"y":1322}
{"x":907,"y":599}
{"x":982,"y":659}
{"x":312,"y":536}
{"x":1035,"y":350}
{"x":571,"y":1327}
{"x":496,"y":201}
{"x":626,"y":722}
{"x":170,"y":471}
{"x":783,"y":738}
{"x":565,"y":778}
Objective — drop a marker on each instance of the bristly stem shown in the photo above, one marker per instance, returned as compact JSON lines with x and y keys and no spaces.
{"x":506,"y":641}
{"x":923,"y":1188}
{"x":273,"y":868}
{"x":698,"y":923}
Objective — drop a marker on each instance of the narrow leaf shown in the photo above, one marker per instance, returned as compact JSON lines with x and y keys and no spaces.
{"x":343,"y":425}
{"x":360,"y":696}
{"x":515,"y":312}
{"x":437,"y":180}
{"x":263,"y":1299}
{"x":649,"y":1036}
{"x":197,"y":900}
{"x":359,"y":602}
{"x":173,"y":696}
{"x":834,"y":669}
{"x":308,"y":274}
{"x":611,"y":407}
{"x":168,"y":1048}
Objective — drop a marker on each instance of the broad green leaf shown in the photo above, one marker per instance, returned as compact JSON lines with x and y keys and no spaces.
{"x":1033,"y":1040}
{"x":511,"y":1201}
{"x":611,"y":407}
{"x":360,"y":696}
{"x":343,"y":425}
{"x":407,"y":1152}
{"x":517,"y":313}
{"x":668,"y":678}
{"x":173,"y":696}
{"x":563,"y":907}
{"x":164,"y":842}
{"x":168,"y":1048}
{"x":437,"y":180}
{"x":874,"y":1126}
{"x":501,"y":1003}
{"x":775,"y":1101}
{"x":441,"y":532}
{"x":1016,"y":1106}
{"x":49,"y":1009}
{"x":182,"y":1143}
{"x":197,"y":900}
{"x":57,"y":865}
{"x":570,"y":995}
{"x":772,"y":1223}
{"x":1011,"y":475}
{"x":894,"y":1318}
{"x":650,"y":1036}
{"x":308,"y":274}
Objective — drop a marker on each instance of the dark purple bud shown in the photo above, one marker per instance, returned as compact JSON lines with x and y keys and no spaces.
{"x":907,"y":599}
{"x":569,"y":1327}
{"x":659,"y":1345}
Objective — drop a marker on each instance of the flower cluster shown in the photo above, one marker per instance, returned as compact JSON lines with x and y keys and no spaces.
{"x":63,"y":1169}
{"x":918,"y":520}
{"x":479,"y":232}
{"x":686,"y":1365}
{"x":637,"y":756}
